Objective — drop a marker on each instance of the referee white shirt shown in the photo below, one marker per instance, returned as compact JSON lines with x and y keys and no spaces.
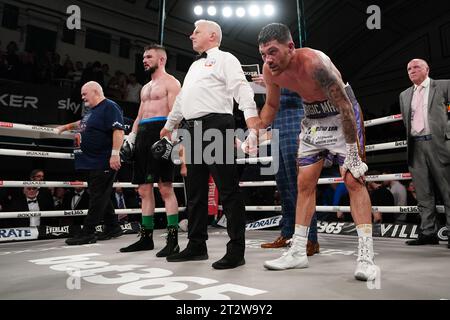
{"x":210,"y":86}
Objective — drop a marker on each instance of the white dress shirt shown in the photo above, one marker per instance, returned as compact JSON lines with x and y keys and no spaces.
{"x":33,"y":205}
{"x":210,"y":86}
{"x":426,"y":130}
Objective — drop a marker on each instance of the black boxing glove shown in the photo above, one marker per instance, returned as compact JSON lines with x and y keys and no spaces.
{"x":162,"y":149}
{"x":127,"y":149}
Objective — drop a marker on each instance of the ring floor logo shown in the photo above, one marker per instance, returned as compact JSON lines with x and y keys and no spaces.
{"x":139,"y":280}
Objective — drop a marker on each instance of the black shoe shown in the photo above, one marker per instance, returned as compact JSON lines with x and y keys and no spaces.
{"x":82,"y":238}
{"x":172,"y":246}
{"x":110,"y":233}
{"x":423,"y":239}
{"x":144,"y":243}
{"x":228,"y":262}
{"x":191,"y":253}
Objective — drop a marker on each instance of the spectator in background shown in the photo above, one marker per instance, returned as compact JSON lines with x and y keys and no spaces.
{"x":117,"y":86}
{"x":125,"y":199}
{"x":39,"y":175}
{"x":75,"y":199}
{"x":411,"y":197}
{"x":133,"y":89}
{"x":106,"y":75}
{"x":12,"y":61}
{"x":93,"y":73}
{"x":69,"y":68}
{"x":31,"y":199}
{"x":27,"y":70}
{"x":57,"y":70}
{"x":78,"y":71}
{"x":380,"y":196}
{"x":397,"y":189}
{"x":58,"y":198}
{"x":411,"y":200}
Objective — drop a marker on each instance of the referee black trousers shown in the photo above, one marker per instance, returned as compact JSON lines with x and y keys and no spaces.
{"x":225,"y":176}
{"x":101,"y":209}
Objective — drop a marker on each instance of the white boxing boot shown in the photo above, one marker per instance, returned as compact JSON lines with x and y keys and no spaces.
{"x":294,"y":258}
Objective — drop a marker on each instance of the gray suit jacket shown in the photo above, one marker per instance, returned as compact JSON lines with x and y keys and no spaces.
{"x":438,"y":118}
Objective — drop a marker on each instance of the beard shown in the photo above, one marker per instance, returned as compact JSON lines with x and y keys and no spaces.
{"x":151,"y":69}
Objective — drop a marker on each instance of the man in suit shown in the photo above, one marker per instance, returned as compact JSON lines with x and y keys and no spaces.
{"x":75,"y":199}
{"x":31,"y":199}
{"x":425,"y":110}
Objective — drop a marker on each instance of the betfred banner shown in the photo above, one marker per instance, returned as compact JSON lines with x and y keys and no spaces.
{"x":213,"y":198}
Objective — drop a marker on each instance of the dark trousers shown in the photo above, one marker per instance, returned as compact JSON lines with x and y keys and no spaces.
{"x":101,"y":208}
{"x":428,"y":174}
{"x":225,"y":176}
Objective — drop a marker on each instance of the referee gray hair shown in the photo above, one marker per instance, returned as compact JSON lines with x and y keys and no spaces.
{"x":212,"y":27}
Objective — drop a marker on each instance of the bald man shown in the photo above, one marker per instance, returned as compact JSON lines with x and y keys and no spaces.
{"x":157,"y":98}
{"x":97,"y":145}
{"x":425,"y":108}
{"x":206,"y":102}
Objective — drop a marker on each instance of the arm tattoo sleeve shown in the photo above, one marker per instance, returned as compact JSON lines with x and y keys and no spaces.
{"x":335,"y":92}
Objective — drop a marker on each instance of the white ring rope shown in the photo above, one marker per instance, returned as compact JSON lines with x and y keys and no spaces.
{"x":78,"y":184}
{"x":29,"y":128}
{"x":73,"y":213}
{"x":263,"y":160}
{"x":32,"y":128}
{"x":36,"y":154}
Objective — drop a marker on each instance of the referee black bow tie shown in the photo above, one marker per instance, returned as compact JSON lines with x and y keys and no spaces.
{"x":32,"y":201}
{"x":200,"y":56}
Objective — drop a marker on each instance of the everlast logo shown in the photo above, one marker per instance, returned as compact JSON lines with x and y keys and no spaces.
{"x":68,"y":105}
{"x":57,"y":230}
{"x":73,"y":212}
{"x":18,"y":101}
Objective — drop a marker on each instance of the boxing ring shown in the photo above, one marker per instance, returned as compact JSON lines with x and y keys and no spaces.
{"x":48,"y":269}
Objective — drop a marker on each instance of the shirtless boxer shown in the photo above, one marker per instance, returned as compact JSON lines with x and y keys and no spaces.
{"x":332,"y":131}
{"x":157,"y":98}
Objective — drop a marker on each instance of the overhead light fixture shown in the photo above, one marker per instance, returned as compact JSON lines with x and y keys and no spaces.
{"x":227,"y":12}
{"x":198,"y":10}
{"x":269,"y":10}
{"x":253,"y":10}
{"x":212,"y":10}
{"x":240,"y":12}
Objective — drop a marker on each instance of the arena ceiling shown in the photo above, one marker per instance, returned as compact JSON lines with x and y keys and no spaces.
{"x":337,"y":27}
